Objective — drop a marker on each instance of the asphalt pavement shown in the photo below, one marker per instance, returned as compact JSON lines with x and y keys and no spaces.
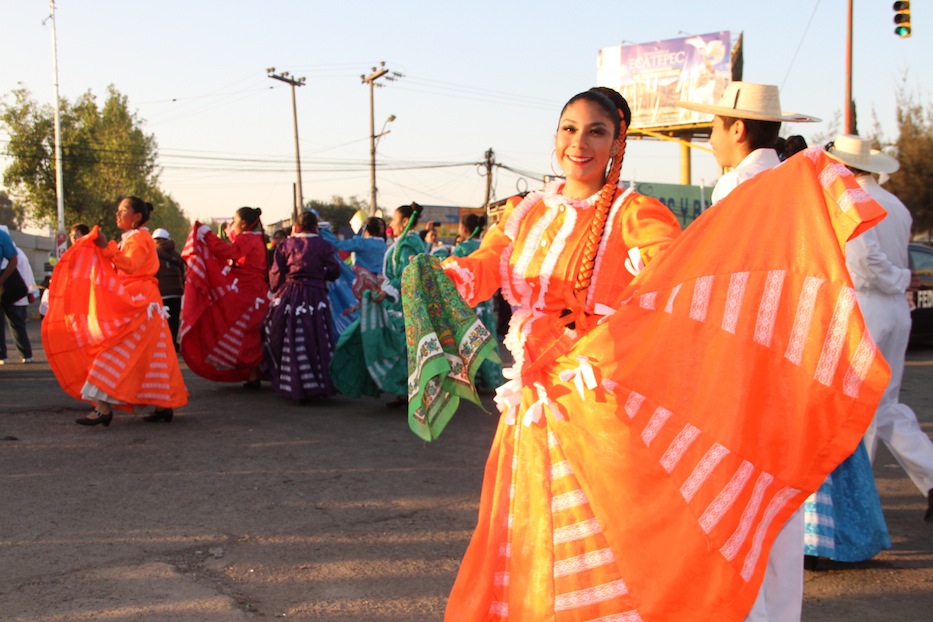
{"x":248,"y":506}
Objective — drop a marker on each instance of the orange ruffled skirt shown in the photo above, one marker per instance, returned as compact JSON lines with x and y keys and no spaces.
{"x":106,"y":331}
{"x":648,"y":473}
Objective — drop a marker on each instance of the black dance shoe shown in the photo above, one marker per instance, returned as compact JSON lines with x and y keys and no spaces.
{"x":928,"y":517}
{"x":398,"y":402}
{"x":99,"y":417}
{"x":252,"y":385}
{"x":160,"y":414}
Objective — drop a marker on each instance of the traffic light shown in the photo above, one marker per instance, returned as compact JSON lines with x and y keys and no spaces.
{"x":902,"y":19}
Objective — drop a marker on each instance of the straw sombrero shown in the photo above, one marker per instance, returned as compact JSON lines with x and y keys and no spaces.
{"x":746,"y":100}
{"x":856,"y":152}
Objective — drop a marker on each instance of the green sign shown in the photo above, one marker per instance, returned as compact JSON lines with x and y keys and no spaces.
{"x":687,"y":202}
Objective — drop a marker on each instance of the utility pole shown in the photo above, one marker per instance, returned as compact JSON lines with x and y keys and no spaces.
{"x":850,"y":105}
{"x":285,"y":77}
{"x":60,"y":244}
{"x":489,"y":163}
{"x":371,"y":79}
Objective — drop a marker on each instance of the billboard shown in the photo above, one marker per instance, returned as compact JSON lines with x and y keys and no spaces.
{"x":653,"y":77}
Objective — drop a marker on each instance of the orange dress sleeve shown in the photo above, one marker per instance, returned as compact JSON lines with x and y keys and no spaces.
{"x":130,"y":259}
{"x":477,"y":276}
{"x":643,"y":229}
{"x":648,"y":225}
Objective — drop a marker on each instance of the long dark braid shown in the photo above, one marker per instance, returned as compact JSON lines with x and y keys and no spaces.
{"x":606,"y":198}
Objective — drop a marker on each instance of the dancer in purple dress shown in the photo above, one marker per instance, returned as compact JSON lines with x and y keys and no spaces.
{"x":298,"y":340}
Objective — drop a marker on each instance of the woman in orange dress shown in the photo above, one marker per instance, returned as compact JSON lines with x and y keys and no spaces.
{"x":106,"y":334}
{"x":674,"y":398}
{"x":226,"y":297}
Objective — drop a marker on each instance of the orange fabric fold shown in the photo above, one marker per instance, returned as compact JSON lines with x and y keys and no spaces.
{"x":735,"y":373}
{"x":106,"y":326}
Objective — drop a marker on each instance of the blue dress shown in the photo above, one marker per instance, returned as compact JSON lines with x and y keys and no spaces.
{"x":369,"y":253}
{"x":843,"y":517}
{"x":371,"y":355}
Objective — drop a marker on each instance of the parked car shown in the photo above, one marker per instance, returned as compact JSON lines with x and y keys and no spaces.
{"x":921,"y":301}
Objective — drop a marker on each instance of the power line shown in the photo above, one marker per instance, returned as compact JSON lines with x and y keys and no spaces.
{"x":800,"y":43}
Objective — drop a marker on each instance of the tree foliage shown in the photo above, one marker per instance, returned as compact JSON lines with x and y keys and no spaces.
{"x":338,"y":211}
{"x":167,"y":214}
{"x":106,"y":155}
{"x":913,"y":182}
{"x":11,"y":214}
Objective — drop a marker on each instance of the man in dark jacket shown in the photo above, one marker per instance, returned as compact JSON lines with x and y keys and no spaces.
{"x":171,"y":277}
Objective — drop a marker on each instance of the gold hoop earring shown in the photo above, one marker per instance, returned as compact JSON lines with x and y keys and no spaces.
{"x":553,"y":162}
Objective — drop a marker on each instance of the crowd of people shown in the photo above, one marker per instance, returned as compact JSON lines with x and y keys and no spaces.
{"x":679,"y":405}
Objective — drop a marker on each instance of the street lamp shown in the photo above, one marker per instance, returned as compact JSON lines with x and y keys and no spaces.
{"x":60,"y":244}
{"x":287,"y":79}
{"x":384,"y":131}
{"x":371,"y":79}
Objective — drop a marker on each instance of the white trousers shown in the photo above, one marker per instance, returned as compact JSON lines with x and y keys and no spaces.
{"x":780,"y":598}
{"x":888,"y":319}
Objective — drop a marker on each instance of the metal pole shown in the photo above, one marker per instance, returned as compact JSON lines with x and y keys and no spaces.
{"x":301,"y":199}
{"x":849,"y":117}
{"x":371,"y":81}
{"x":490,"y":161}
{"x":372,"y":151}
{"x":59,"y":180}
{"x":284,"y":77}
{"x":685,"y":164}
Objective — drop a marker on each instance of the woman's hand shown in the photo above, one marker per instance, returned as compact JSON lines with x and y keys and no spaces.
{"x":101,"y":239}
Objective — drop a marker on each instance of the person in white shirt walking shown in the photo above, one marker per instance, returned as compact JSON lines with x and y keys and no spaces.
{"x":746,"y":124}
{"x":878,"y":264}
{"x":16,"y":311}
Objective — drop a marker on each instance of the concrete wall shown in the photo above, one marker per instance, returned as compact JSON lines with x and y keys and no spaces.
{"x":38,"y":248}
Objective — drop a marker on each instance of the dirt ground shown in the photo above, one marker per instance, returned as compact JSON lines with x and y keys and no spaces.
{"x":250,"y":507}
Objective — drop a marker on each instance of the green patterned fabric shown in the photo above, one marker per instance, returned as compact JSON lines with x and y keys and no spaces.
{"x":446,"y":345}
{"x":489,"y":375}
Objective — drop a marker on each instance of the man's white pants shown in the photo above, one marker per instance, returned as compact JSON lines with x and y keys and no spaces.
{"x":780,"y":598}
{"x":888,"y":320}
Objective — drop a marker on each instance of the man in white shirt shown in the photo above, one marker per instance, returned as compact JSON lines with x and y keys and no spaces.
{"x":878,"y":263}
{"x":745,"y":129}
{"x":16,"y":312}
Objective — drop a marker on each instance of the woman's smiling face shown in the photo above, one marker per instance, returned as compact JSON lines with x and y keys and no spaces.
{"x":583,"y":146}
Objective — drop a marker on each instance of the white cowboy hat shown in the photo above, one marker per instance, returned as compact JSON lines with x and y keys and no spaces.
{"x":856,"y":152}
{"x":161,"y":233}
{"x":746,"y":100}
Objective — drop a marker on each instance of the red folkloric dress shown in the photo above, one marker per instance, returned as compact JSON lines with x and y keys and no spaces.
{"x":226,"y":297}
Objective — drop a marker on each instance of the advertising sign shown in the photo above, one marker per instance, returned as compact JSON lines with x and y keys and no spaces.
{"x":687,"y":202}
{"x":653,"y":77}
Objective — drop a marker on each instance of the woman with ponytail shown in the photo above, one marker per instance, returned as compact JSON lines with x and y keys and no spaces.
{"x":370,"y":357}
{"x":226,"y":297}
{"x":561,"y":256}
{"x":106,"y":335}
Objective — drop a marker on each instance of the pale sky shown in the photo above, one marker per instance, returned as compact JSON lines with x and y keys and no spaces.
{"x":476,"y":75}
